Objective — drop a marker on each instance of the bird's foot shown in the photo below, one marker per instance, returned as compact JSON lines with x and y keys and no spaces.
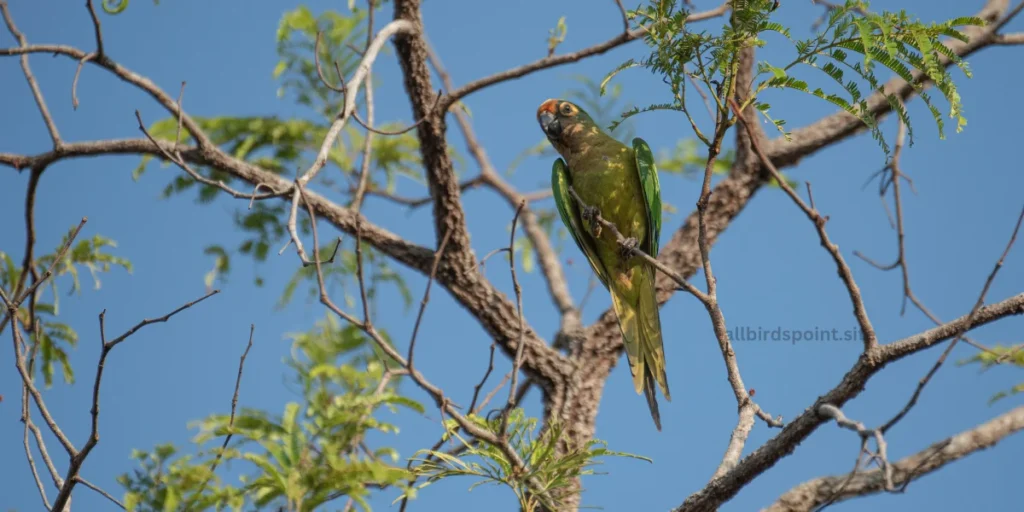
{"x":629,"y":245}
{"x":590,"y":214}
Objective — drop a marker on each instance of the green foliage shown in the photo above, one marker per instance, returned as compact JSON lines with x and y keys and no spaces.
{"x":296,"y":43}
{"x":556,"y":36}
{"x":48,"y":336}
{"x":547,"y":475}
{"x":997,"y":355}
{"x":315,"y":452}
{"x":163,"y":483}
{"x":897,"y":42}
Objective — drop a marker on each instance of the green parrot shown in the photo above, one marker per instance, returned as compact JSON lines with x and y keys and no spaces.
{"x":620,"y":183}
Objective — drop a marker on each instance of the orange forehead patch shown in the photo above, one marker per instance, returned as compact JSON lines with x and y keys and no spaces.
{"x":548,"y":106}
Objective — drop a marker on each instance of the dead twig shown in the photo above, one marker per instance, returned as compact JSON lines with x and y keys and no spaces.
{"x":518,"y":360}
{"x":231,"y":422}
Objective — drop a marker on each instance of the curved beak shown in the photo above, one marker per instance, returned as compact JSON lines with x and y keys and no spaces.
{"x":547,"y":119}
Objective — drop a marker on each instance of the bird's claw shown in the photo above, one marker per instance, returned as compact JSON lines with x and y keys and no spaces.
{"x":590,"y":214}
{"x":628,"y":246}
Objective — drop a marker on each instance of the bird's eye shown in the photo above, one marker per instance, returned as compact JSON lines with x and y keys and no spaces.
{"x":567,"y":109}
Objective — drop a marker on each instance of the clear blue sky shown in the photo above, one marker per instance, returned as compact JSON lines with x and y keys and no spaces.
{"x":771,"y":270}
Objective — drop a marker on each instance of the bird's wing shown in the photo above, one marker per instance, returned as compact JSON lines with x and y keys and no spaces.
{"x":570,"y":212}
{"x":652,"y":194}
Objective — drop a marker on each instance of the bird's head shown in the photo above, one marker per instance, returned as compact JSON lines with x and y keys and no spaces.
{"x":565,"y":124}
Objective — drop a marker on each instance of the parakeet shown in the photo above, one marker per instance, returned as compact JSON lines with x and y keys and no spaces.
{"x":621,"y":183}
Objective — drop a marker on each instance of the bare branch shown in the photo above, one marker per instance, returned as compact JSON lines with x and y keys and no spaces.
{"x":180,"y":162}
{"x":814,"y":493}
{"x":32,"y":84}
{"x":426,"y":296}
{"x":625,"y":17}
{"x":881,"y":454}
{"x":26,"y":418}
{"x":149,"y":321}
{"x":1010,"y":39}
{"x":100,"y":491}
{"x":517,"y":361}
{"x":231,"y":422}
{"x":13,"y":305}
{"x":949,"y":348}
{"x":96,"y":26}
{"x":78,"y":456}
{"x":483,"y":380}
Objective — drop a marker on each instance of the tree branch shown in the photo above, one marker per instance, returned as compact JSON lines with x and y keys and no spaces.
{"x":811,"y":494}
{"x":32,"y":84}
{"x":547,"y":258}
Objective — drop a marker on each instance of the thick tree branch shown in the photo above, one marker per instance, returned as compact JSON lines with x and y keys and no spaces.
{"x":459,"y":262}
{"x":491,"y":308}
{"x":546,"y":256}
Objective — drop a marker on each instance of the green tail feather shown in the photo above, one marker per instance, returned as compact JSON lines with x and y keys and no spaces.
{"x":641,"y":335}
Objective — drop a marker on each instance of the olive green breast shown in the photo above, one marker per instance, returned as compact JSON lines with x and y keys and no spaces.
{"x":606,"y":178}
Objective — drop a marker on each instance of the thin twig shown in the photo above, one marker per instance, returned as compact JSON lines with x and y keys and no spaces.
{"x":880,"y":456}
{"x":426,"y":296}
{"x":161,"y":319}
{"x":180,"y":162}
{"x":101,"y":492}
{"x":37,"y":94}
{"x":96,"y":26}
{"x":518,"y":360}
{"x":293,"y":230}
{"x":231,"y":422}
{"x":483,"y":380}
{"x":13,"y":305}
{"x":78,"y":456}
{"x":351,"y":89}
{"x":74,"y":81}
{"x":625,"y":16}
